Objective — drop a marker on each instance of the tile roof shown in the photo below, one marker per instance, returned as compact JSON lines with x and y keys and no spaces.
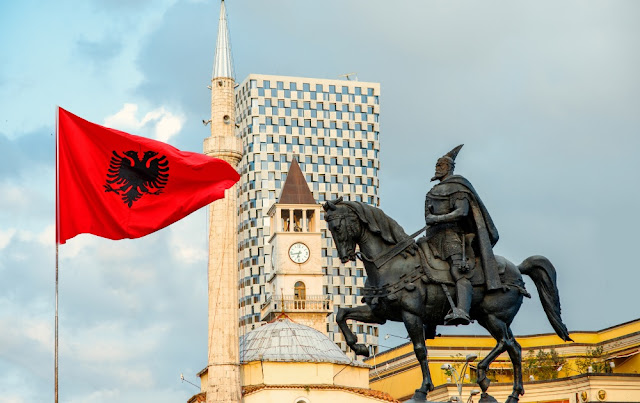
{"x":295,"y":189}
{"x":383,"y":396}
{"x":287,"y":341}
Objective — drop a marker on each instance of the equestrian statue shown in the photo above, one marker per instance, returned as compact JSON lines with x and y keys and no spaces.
{"x":416,"y":281}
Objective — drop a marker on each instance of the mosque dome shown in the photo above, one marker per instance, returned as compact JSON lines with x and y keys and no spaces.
{"x":287,"y":341}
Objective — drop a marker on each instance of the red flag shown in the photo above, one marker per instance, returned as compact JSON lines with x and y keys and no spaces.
{"x":117,"y":185}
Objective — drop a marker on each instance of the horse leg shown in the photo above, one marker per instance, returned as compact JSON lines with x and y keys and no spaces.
{"x":498,"y":330}
{"x":515,"y":354}
{"x":415,"y":328}
{"x":361,"y":313}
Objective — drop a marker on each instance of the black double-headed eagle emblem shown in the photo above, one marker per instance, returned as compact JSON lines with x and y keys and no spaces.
{"x":133,"y":178}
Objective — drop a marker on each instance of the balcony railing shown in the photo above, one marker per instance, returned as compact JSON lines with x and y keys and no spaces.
{"x":289,"y":303}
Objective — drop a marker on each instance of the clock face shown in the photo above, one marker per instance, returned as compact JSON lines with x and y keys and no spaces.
{"x":299,"y":252}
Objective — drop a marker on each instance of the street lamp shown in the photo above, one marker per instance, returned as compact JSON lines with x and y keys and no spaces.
{"x":459,"y":376}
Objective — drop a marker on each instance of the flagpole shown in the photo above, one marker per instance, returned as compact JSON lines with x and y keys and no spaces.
{"x":55,"y":348}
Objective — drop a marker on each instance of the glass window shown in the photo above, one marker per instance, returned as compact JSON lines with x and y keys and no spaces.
{"x":306,"y":87}
{"x":293,"y":86}
{"x":307,"y":123}
{"x":280,"y":85}
{"x":280,"y":103}
{"x":345,"y":89}
{"x":307,"y":105}
{"x":339,"y":97}
{"x":267,"y":103}
{"x":369,"y":91}
{"x":332,"y":88}
{"x":358,"y":90}
{"x":266,"y":84}
{"x":319,"y":87}
{"x":253,"y":84}
{"x":358,"y":108}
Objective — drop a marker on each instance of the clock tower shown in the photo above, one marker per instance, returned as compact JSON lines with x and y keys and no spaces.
{"x":295,"y":283}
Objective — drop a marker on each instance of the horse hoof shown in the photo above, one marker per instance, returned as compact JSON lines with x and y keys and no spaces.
{"x":361,"y":349}
{"x":487,"y":398}
{"x":419,"y":396}
{"x":484,"y":384}
{"x":512,"y":399}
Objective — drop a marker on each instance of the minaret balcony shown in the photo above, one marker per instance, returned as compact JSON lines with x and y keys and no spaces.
{"x":275,"y":305}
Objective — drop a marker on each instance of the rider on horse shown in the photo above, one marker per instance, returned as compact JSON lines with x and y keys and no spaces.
{"x":459,"y":227}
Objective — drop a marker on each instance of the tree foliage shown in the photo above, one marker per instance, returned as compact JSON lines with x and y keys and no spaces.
{"x":543,"y":365}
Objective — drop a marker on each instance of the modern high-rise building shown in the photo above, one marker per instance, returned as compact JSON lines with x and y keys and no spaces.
{"x":331,"y":127}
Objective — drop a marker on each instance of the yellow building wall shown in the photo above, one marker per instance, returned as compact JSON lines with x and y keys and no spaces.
{"x":397,"y":372}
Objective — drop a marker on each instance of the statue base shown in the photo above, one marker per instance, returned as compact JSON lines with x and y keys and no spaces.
{"x":487,"y":398}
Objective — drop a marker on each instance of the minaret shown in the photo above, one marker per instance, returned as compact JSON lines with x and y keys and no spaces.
{"x":223,"y":368}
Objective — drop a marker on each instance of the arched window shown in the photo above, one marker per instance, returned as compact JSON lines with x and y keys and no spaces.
{"x":301,"y":400}
{"x":299,"y":294}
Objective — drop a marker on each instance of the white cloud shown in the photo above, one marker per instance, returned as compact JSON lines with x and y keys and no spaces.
{"x":5,"y":237}
{"x":159,"y":122}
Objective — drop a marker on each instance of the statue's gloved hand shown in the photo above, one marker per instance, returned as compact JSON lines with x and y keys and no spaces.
{"x":431,"y":219}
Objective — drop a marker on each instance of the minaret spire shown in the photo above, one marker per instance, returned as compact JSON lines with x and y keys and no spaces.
{"x":223,"y":62}
{"x":223,"y":369}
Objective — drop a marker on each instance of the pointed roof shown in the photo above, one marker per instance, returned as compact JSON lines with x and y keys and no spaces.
{"x":223,"y":63}
{"x":295,"y":189}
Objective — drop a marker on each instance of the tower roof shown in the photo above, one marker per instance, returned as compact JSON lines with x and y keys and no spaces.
{"x":287,"y":341}
{"x":223,"y":63}
{"x":295,"y":189}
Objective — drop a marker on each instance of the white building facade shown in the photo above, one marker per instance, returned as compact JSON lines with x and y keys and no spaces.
{"x":331,"y":127}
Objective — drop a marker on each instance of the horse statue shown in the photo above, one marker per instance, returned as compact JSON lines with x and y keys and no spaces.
{"x":406,"y":283}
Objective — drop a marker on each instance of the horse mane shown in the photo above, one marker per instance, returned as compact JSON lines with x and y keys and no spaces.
{"x":377,"y":221}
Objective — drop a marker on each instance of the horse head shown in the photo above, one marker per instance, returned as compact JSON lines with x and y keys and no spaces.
{"x":354,"y":223}
{"x":345,"y":228}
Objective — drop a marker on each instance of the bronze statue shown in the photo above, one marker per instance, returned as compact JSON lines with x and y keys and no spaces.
{"x":459,"y":227}
{"x":407,"y":281}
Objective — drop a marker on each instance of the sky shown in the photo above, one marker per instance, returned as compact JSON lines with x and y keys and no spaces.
{"x":544,"y":95}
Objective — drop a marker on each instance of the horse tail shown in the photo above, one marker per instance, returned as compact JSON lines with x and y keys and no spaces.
{"x":543,"y":274}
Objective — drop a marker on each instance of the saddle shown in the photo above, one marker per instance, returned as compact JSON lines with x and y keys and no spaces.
{"x":439,"y":271}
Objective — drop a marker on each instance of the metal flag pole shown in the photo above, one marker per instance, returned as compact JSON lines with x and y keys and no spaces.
{"x":55,"y":348}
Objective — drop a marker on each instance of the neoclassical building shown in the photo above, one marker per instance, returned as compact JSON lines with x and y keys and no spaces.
{"x":600,"y":366}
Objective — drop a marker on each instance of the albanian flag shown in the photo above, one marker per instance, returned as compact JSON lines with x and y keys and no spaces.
{"x":117,"y":185}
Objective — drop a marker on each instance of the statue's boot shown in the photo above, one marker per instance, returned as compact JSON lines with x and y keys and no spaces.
{"x":460,"y":314}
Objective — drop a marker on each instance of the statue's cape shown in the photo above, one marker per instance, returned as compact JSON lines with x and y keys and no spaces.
{"x":487,"y":232}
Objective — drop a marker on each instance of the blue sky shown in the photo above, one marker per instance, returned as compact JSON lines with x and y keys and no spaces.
{"x":545,"y":96}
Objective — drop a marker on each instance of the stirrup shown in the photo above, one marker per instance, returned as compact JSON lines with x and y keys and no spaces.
{"x":457,"y":317}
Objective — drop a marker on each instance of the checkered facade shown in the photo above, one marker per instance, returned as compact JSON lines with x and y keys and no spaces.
{"x":332,"y":128}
